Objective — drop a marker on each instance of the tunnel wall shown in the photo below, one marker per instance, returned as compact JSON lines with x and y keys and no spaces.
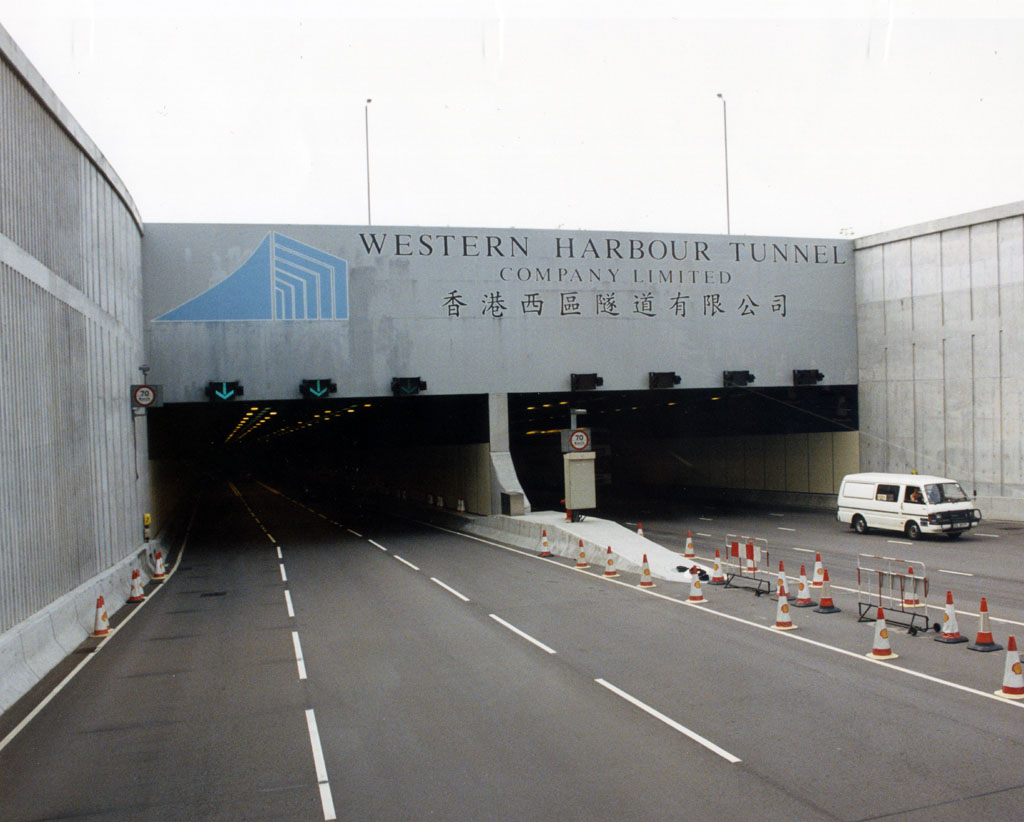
{"x":73,"y":459}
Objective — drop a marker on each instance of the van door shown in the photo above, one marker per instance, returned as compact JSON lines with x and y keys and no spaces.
{"x":886,"y":511}
{"x":914,"y":508}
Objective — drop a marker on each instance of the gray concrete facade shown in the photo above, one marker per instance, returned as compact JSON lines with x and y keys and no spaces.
{"x":939,"y":334}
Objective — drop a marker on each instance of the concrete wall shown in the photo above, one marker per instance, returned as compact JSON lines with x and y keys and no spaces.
{"x":940,"y":342}
{"x":73,"y":459}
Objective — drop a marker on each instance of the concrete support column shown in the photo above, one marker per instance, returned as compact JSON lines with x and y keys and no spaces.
{"x":505,"y":485}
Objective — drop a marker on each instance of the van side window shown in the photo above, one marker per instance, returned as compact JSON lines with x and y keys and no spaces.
{"x":913,"y":495}
{"x":887,"y":493}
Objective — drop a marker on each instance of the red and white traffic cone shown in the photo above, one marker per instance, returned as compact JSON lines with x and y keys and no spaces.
{"x":461,"y":507}
{"x":609,"y":569}
{"x":645,"y":575}
{"x":783,"y":621}
{"x":984,"y":640}
{"x":639,"y":529}
{"x":160,"y":573}
{"x":1013,"y":678}
{"x":910,"y":598}
{"x":781,"y":582}
{"x":803,"y":592}
{"x":826,"y":605}
{"x":696,"y":594}
{"x":950,"y":630}
{"x":717,"y":577}
{"x":101,"y":626}
{"x":581,"y":557}
{"x":880,"y":648}
{"x":545,"y":551}
{"x":818,"y":574}
{"x":688,"y":553}
{"x":136,"y":593}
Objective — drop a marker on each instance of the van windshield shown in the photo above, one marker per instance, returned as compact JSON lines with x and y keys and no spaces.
{"x":945,"y":492}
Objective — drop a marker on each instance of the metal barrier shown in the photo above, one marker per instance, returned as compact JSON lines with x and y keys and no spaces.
{"x":749,"y":566}
{"x":898,"y":586}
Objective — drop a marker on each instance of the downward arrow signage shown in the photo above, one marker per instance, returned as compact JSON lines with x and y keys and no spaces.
{"x":224,"y":392}
{"x":318,"y":391}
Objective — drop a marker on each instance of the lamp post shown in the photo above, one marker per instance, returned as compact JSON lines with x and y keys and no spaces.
{"x":725,"y":138}
{"x":366,"y":123}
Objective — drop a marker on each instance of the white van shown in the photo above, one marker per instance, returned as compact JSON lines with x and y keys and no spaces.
{"x":912,"y":503}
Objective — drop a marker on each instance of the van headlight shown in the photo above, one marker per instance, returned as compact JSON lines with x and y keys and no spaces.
{"x":977,"y":514}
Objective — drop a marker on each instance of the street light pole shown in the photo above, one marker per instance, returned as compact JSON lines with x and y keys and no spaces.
{"x":366,"y":122}
{"x":725,"y":137}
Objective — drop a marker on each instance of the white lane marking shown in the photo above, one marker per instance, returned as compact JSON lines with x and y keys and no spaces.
{"x":284,"y":576}
{"x":706,"y":519}
{"x":781,"y":528}
{"x":955,"y":573}
{"x":699,"y":534}
{"x":776,"y":515}
{"x":377,"y":545}
{"x":523,"y":634}
{"x":288,"y":603}
{"x":354,"y":533}
{"x":279,"y":552}
{"x":898,"y":542}
{"x":299,"y":661}
{"x":449,"y":589}
{"x":804,"y":550}
{"x":696,"y":737}
{"x":326,"y":800}
{"x":405,"y":562}
{"x":990,"y":536}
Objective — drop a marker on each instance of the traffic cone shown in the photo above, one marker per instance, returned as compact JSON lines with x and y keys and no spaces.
{"x":160,"y":574}
{"x":1013,"y":679}
{"x":783,"y":621}
{"x":696,"y":594}
{"x":984,"y":640}
{"x":102,"y":623}
{"x":950,"y":630}
{"x":910,"y":599}
{"x":717,"y":577}
{"x":645,"y":575}
{"x":639,"y":529}
{"x":818,"y":574}
{"x":688,"y":553}
{"x":826,"y":605}
{"x":581,"y":561}
{"x":609,"y":570}
{"x":544,"y":550}
{"x":803,"y":593}
{"x":136,"y":593}
{"x":881,"y":649}
{"x":461,"y":508}
{"x":781,"y":582}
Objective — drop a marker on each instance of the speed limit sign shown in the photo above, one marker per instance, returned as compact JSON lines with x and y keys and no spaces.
{"x":145,"y":396}
{"x":579,"y":440}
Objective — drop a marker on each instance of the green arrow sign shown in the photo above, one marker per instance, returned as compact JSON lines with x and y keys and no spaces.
{"x":224,"y":392}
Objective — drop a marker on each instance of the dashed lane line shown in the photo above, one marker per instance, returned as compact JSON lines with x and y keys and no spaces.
{"x":523,"y":634}
{"x":450,"y":590}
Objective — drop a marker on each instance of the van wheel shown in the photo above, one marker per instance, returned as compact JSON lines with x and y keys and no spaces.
{"x":913,"y":530}
{"x":859,"y":525}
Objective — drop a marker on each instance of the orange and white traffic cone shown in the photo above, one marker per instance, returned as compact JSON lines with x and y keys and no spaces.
{"x":910,"y":598}
{"x":160,"y":573}
{"x":1013,"y":678}
{"x":984,"y":640}
{"x":696,"y":594}
{"x":826,"y":605}
{"x":717,"y":577}
{"x":101,"y":627}
{"x":545,"y":551}
{"x":609,"y":569}
{"x":950,"y":630}
{"x":881,"y":649}
{"x":688,"y":553}
{"x":639,"y":529}
{"x":803,"y":592}
{"x":581,"y":557}
{"x":645,"y":575}
{"x":461,"y":507}
{"x":136,"y":593}
{"x":818,"y":574}
{"x":783,"y":621}
{"x":781,"y":582}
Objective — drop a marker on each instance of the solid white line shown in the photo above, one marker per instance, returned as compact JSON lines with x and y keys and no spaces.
{"x":523,"y":634}
{"x":449,"y":589}
{"x":326,"y":800}
{"x":696,"y":737}
{"x":955,"y":573}
{"x":405,"y":562}
{"x":377,"y":545}
{"x":298,"y":655}
{"x":284,"y":576}
{"x":279,"y":552}
{"x":288,"y":603}
{"x":354,"y":533}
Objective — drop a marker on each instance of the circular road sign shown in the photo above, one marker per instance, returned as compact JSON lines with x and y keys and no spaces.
{"x":579,"y":440}
{"x":144,"y":396}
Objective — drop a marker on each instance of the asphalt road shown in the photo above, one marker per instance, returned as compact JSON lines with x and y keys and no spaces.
{"x":305,"y":664}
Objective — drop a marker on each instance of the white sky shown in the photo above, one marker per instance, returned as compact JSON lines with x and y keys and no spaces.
{"x":859,"y":114}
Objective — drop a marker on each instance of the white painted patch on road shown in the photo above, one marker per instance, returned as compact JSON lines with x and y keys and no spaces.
{"x":523,"y":634}
{"x":378,"y":545}
{"x":449,"y":589}
{"x":288,"y":603}
{"x":696,"y":737}
{"x":284,"y":576}
{"x":405,"y":562}
{"x":326,"y":799}
{"x":299,"y":661}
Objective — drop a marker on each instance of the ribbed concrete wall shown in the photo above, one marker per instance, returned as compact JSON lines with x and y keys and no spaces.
{"x":941,"y":341}
{"x":73,"y":475}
